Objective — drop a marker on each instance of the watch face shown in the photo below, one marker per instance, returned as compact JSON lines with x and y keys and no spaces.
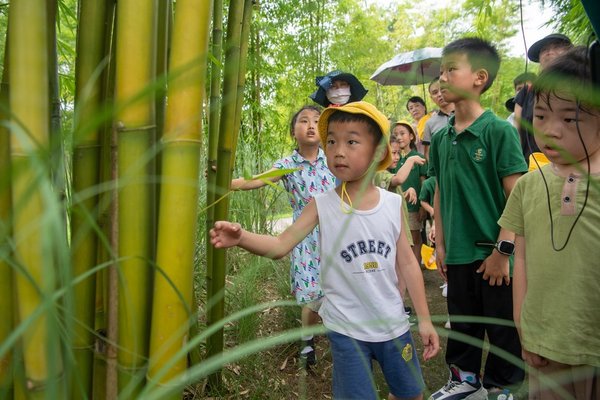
{"x":506,"y":247}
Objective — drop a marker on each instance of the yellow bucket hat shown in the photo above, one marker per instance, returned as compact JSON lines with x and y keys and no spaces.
{"x":364,"y":108}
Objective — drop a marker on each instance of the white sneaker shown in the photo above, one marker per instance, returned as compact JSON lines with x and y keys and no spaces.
{"x":455,"y":390}
{"x":447,"y":325}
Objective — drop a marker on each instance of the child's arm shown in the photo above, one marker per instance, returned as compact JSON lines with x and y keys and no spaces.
{"x":427,"y":207}
{"x":495,"y":267}
{"x":250,"y":184}
{"x":519,"y":290}
{"x":440,"y":246}
{"x":227,"y":234}
{"x":409,"y":272}
{"x":400,"y":177}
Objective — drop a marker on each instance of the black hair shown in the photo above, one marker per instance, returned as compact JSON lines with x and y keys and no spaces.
{"x":569,"y":74}
{"x":297,"y":113}
{"x":417,"y":99}
{"x":411,"y":130}
{"x":434,"y":80}
{"x":481,"y":55}
{"x":524,"y":78}
{"x":344,"y":116}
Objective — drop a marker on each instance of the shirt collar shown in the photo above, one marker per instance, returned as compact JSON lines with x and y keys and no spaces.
{"x":297,"y":157}
{"x":476,"y":128}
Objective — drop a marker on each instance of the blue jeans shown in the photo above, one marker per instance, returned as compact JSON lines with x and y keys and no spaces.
{"x":353,"y":367}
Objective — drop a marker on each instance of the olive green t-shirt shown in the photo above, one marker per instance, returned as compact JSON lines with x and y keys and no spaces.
{"x":383,"y":179}
{"x":469,"y":168}
{"x":560,"y":314}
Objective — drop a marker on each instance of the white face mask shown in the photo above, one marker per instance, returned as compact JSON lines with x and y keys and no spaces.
{"x":338,"y":96}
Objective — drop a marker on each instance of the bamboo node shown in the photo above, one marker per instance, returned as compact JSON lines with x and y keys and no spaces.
{"x":120,"y":127}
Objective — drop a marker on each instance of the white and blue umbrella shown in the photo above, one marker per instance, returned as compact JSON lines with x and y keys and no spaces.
{"x":415,"y":67}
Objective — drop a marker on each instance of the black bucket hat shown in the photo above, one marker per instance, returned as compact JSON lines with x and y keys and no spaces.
{"x":357,"y":90}
{"x":534,"y":51}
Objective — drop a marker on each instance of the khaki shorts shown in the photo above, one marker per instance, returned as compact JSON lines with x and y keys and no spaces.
{"x":314,"y":305}
{"x":413,"y":221}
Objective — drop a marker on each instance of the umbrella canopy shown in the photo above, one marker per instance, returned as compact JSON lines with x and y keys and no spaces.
{"x":412,"y":68}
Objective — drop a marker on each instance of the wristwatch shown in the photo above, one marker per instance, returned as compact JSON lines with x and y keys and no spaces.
{"x":506,"y":247}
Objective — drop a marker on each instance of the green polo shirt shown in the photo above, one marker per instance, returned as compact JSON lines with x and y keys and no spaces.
{"x":469,"y":168}
{"x":414,"y":177}
{"x":428,"y":190}
{"x":383,"y":179}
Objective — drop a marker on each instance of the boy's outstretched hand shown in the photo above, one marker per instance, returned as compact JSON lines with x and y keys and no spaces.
{"x":430,"y":338}
{"x":225,"y":234}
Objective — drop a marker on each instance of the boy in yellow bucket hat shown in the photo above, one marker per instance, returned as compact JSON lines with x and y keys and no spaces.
{"x":364,"y":252}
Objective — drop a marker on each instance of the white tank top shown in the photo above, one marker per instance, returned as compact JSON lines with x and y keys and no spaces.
{"x":358,"y":275}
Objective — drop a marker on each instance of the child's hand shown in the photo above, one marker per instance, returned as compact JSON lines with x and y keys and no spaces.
{"x":440,"y":256}
{"x":431,"y":235}
{"x":416,"y":160}
{"x":411,"y":194}
{"x":495,"y":269}
{"x":430,"y":338}
{"x":225,"y":234}
{"x":533,"y":360}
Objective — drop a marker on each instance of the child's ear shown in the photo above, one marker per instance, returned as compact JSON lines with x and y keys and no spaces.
{"x":481,"y":77}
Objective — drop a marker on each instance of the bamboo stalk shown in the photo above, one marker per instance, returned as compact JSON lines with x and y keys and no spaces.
{"x":213,"y":134}
{"x":6,"y":274}
{"x":106,"y":385}
{"x":226,"y":135}
{"x":29,"y":138}
{"x":135,"y":61}
{"x":172,"y":305}
{"x":86,"y":159}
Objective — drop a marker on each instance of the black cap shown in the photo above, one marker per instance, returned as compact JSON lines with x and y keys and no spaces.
{"x":534,"y":51}
{"x":357,"y":90}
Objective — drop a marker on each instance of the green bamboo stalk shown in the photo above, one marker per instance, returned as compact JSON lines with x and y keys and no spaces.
{"x":213,"y":134}
{"x":105,"y":379}
{"x":135,"y":71}
{"x":244,"y":45}
{"x":226,"y":135}
{"x":6,"y":275}
{"x":31,"y":189}
{"x":172,"y":306}
{"x":91,"y":54}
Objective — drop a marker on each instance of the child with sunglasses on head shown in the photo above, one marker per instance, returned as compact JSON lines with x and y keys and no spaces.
{"x":311,"y":177}
{"x":555,"y":213}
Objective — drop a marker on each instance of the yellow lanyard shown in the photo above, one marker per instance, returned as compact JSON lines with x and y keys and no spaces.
{"x":345,"y":195}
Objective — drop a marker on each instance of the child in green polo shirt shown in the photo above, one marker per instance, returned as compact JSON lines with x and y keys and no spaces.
{"x":407,"y":138}
{"x":476,"y":160}
{"x":555,"y":213}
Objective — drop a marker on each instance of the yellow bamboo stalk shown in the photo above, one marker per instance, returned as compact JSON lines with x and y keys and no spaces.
{"x":135,"y":60}
{"x":172,"y":306}
{"x":29,"y":137}
{"x":6,"y":275}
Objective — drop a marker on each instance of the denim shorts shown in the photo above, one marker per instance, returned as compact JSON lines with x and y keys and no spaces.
{"x":353,"y":367}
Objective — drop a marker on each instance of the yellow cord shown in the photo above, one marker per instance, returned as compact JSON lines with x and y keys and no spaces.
{"x":346,"y":195}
